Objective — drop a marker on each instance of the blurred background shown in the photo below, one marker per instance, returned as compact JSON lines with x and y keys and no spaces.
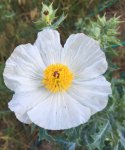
{"x":16,"y":27}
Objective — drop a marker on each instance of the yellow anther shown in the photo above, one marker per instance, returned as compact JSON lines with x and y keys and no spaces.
{"x":57,"y":78}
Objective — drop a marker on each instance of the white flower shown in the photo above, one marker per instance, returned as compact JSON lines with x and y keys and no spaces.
{"x":57,"y":87}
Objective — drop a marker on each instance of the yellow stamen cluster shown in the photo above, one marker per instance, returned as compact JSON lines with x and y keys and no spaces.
{"x":57,"y":78}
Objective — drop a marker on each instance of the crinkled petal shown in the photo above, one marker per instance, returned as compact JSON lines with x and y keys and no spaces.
{"x":59,"y":111}
{"x":92,"y":94}
{"x":23,"y":118}
{"x":24,"y":69}
{"x":84,"y":56}
{"x":48,"y":42}
{"x":22,"y":102}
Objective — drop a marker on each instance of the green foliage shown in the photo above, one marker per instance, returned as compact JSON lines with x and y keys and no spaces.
{"x":104,"y":31}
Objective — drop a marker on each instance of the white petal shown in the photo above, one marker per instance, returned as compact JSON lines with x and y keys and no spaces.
{"x":24,"y":69}
{"x":48,"y":42}
{"x":59,"y":111}
{"x":22,"y":102}
{"x":84,"y":56}
{"x":23,"y":118}
{"x":92,"y":94}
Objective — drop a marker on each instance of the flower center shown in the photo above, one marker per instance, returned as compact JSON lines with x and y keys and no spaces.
{"x":57,"y":78}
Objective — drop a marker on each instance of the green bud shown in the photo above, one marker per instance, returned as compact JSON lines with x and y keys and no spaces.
{"x":48,"y":15}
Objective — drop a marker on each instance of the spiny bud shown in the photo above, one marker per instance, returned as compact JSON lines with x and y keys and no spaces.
{"x":48,"y":14}
{"x":47,"y":18}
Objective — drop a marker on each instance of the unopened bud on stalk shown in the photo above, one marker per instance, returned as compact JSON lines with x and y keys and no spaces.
{"x":48,"y":15}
